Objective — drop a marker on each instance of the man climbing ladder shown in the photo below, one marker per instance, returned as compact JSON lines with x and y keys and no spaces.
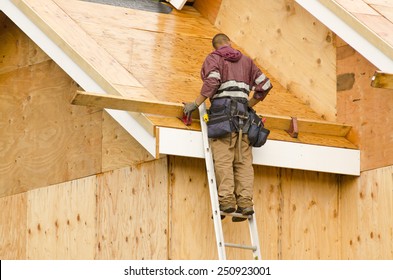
{"x":228,"y":77}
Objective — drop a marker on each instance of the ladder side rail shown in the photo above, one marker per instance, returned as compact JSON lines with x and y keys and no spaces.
{"x":212,"y":186}
{"x":252,"y":224}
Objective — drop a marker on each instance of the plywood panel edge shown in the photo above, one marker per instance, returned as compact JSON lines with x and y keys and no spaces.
{"x":13,"y":227}
{"x":208,"y":8}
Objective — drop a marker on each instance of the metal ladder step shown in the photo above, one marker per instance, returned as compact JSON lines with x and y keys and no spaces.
{"x":234,"y":214}
{"x":240,"y":246}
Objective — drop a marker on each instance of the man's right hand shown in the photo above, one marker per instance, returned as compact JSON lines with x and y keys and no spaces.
{"x":189,"y":108}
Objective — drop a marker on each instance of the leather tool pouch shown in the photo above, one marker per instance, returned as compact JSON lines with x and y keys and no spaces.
{"x":257,"y":133}
{"x":219,"y":124}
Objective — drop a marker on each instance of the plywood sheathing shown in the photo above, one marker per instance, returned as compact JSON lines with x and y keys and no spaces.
{"x":156,"y":47}
{"x":13,"y":223}
{"x":45,"y":140}
{"x":98,"y":64}
{"x":132,"y":212}
{"x":291,"y":44}
{"x":366,"y":210}
{"x":297,"y":214}
{"x":16,"y":49}
{"x":118,"y":147}
{"x":121,"y":214}
{"x":41,"y":133}
{"x":208,"y":8}
{"x":369,"y":110}
{"x":62,"y":221}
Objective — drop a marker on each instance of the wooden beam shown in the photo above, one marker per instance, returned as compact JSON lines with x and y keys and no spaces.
{"x":382,"y":80}
{"x":307,"y":126}
{"x":170,"y":109}
{"x":128,"y":104}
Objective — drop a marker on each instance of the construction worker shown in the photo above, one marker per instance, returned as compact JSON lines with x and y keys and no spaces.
{"x":228,"y":77}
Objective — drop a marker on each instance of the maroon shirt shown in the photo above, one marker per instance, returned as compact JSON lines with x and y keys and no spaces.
{"x":226,"y":72}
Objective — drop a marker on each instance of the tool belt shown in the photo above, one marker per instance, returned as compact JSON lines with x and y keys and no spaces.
{"x":229,"y":114}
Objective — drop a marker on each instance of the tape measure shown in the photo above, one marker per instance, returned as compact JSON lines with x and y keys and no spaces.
{"x":206,"y":118}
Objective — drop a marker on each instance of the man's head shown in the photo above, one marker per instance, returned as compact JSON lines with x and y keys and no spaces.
{"x":220,"y":40}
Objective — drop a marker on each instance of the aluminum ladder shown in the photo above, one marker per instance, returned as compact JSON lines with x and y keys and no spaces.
{"x":221,"y":245}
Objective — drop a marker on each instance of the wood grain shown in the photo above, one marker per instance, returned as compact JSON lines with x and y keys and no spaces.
{"x":132,"y":212}
{"x":127,"y":104}
{"x":208,"y":8}
{"x":13,"y":221}
{"x":286,"y":41}
{"x":119,"y":149}
{"x":78,"y":45}
{"x":16,"y":49}
{"x":62,"y":221}
{"x":368,"y":110}
{"x":297,"y":214}
{"x":165,"y":76}
{"x":45,"y":140}
{"x":310,"y":215}
{"x":366,"y":205}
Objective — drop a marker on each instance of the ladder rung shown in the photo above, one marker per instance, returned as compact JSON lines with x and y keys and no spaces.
{"x":239,"y":246}
{"x":234,"y":214}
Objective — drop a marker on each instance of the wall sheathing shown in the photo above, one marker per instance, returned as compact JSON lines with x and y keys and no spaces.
{"x":366,"y":202}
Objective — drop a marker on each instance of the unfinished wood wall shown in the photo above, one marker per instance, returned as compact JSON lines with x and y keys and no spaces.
{"x":121,"y":214}
{"x":43,"y":139}
{"x":291,"y":44}
{"x":297,"y":214}
{"x":366,"y":203}
{"x":368,"y":110}
{"x":159,"y":211}
{"x":366,"y":211}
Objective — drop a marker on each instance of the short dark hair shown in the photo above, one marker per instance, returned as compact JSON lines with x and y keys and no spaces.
{"x":220,"y":39}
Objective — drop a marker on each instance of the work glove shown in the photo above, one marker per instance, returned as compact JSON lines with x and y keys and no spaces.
{"x":189,"y":108}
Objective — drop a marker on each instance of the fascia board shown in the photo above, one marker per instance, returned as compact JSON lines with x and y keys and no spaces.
{"x":274,"y":153}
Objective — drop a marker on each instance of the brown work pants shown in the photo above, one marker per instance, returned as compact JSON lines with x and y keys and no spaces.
{"x":234,"y":173}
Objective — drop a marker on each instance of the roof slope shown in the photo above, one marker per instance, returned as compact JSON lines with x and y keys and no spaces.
{"x":366,"y":25}
{"x":157,"y":57}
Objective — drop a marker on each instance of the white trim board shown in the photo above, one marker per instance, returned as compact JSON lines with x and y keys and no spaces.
{"x":76,"y":73}
{"x":274,"y":153}
{"x":178,"y":4}
{"x":348,"y":34}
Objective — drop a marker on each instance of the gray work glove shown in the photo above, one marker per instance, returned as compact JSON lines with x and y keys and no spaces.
{"x":189,"y":108}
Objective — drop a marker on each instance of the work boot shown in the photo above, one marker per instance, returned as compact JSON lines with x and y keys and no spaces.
{"x":246,"y":211}
{"x":227,"y":209}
